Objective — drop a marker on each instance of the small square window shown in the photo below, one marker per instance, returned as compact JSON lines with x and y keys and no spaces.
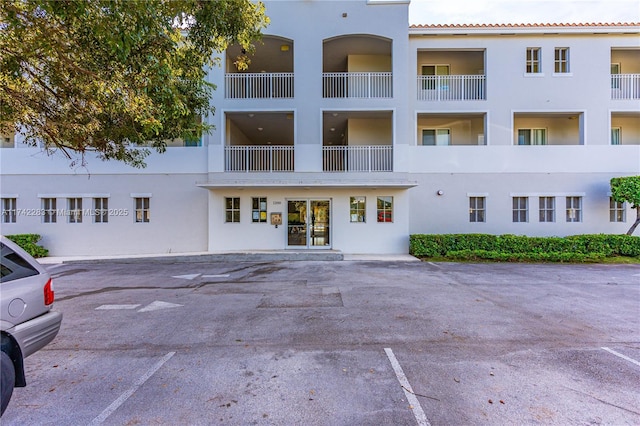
{"x":232,"y":209}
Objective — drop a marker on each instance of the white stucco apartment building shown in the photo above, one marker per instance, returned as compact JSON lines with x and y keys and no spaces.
{"x":352,"y":130}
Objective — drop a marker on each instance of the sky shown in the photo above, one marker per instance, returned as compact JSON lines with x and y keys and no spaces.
{"x":523,"y":11}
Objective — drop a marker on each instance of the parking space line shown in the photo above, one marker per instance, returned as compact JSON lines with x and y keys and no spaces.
{"x":618,"y":354}
{"x":421,"y":418}
{"x":121,"y":400}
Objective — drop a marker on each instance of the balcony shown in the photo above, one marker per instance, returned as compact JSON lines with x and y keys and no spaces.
{"x":357,"y":66}
{"x":451,"y":87}
{"x":268,"y":75}
{"x":625,"y":73}
{"x":258,"y":85}
{"x":625,"y":86}
{"x":357,"y":158}
{"x":357,"y":85}
{"x":258,"y":159}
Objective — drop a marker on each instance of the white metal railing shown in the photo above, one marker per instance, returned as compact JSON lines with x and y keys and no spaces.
{"x":258,"y":85}
{"x":258,"y":158}
{"x":451,"y":87}
{"x":357,"y":158}
{"x":357,"y":85}
{"x":625,"y":86}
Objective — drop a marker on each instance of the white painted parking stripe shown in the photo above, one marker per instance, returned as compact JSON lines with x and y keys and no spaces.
{"x":618,"y":354}
{"x":216,"y":276}
{"x":121,"y":400}
{"x":421,"y":418}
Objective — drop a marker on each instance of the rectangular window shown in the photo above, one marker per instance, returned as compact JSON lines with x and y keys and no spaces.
{"x":436,"y":137}
{"x":435,"y":74}
{"x":357,"y":209}
{"x":615,"y":136}
{"x":562,"y":60}
{"x":74,"y":207}
{"x":547,"y":209}
{"x":476,"y":209}
{"x":258,"y":210}
{"x":385,"y":209}
{"x":574,"y":209}
{"x":521,"y":209}
{"x":7,"y":140}
{"x":49,"y":210}
{"x":142,"y":209}
{"x":532,"y":136}
{"x":232,"y":209}
{"x":533,"y":60}
{"x":101,"y":210}
{"x":9,"y":210}
{"x":617,"y":211}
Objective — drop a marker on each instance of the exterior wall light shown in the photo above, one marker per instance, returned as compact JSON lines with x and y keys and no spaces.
{"x":440,"y":192}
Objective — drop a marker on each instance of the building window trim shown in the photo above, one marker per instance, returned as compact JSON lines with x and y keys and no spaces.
{"x":561,"y":60}
{"x":384,"y":209}
{"x":259,"y":209}
{"x":358,"y":209}
{"x":101,"y":209}
{"x":9,"y":209}
{"x":617,"y":211}
{"x":573,"y":209}
{"x":49,"y":210}
{"x":547,"y":209}
{"x":74,"y":209}
{"x":142,"y":209}
{"x":533,"y":61}
{"x":520,"y":209}
{"x":232,"y":209}
{"x":477,"y":209}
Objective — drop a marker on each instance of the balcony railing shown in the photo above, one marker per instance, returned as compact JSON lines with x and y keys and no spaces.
{"x":357,"y":158}
{"x":258,"y":159}
{"x":625,"y":86}
{"x":258,"y":85}
{"x":357,"y":85}
{"x":451,"y":87}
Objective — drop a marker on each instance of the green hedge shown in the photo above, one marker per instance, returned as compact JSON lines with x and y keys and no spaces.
{"x":575,"y":248}
{"x":28,"y":242}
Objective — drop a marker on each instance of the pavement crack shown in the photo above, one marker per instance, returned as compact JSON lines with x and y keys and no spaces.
{"x":603,"y":401}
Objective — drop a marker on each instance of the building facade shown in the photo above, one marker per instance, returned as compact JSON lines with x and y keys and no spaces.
{"x":351,"y":130}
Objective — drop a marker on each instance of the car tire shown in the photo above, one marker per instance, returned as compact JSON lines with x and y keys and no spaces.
{"x":7,"y":380}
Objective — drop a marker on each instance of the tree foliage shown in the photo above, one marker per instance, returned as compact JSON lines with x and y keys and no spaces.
{"x":627,"y":190}
{"x":112,"y":76}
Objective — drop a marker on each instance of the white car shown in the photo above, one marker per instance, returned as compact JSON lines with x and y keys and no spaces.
{"x":27,"y":323}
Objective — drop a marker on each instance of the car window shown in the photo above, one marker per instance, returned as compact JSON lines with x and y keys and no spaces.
{"x":13,"y":265}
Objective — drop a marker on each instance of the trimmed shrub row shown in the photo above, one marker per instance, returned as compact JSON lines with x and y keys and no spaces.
{"x":575,"y":248}
{"x":28,"y":242}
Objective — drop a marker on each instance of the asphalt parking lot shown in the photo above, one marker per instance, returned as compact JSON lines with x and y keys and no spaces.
{"x":338,"y":343}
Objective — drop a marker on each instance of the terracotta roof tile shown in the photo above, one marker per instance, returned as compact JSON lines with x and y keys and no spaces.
{"x":540,"y":25}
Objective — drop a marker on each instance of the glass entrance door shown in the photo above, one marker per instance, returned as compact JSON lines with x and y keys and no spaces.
{"x":308,"y":223}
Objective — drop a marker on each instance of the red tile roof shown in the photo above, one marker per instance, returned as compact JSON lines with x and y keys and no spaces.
{"x":540,"y":25}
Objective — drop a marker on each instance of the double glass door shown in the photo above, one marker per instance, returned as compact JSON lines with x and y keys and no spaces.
{"x":308,"y":223}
